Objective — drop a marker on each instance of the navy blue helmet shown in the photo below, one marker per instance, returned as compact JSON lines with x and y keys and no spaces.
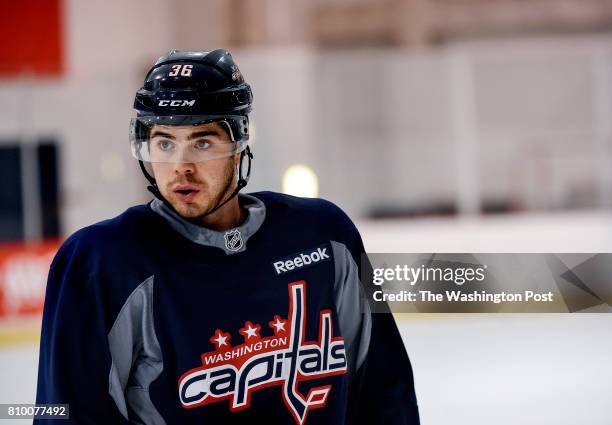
{"x":196,"y":87}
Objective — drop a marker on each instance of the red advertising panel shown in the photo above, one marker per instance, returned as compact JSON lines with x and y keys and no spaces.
{"x":23,"y":277}
{"x":31,"y":34}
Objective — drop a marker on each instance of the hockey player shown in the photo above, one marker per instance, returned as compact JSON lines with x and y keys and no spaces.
{"x":206,"y":306}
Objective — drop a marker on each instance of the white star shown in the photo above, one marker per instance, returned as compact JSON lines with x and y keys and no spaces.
{"x":279,"y":325}
{"x":221,"y":340}
{"x":251,"y":331}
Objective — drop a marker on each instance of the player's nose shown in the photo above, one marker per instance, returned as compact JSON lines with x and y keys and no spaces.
{"x":184,"y":167}
{"x":184,"y":163}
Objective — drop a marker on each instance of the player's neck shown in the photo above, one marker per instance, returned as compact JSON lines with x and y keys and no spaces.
{"x":227,"y":217}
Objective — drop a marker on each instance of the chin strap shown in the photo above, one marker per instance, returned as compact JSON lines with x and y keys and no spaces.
{"x":152,"y":187}
{"x":242,"y":181}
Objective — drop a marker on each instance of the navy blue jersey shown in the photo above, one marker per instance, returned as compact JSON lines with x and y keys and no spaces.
{"x":152,"y":319}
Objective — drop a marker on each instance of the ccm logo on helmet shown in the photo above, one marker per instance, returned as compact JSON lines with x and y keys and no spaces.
{"x":176,"y":102}
{"x":300,"y":260}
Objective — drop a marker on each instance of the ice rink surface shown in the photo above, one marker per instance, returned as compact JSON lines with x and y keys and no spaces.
{"x":546,"y":369}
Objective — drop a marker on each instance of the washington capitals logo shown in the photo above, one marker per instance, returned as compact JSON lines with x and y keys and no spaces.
{"x":234,"y":372}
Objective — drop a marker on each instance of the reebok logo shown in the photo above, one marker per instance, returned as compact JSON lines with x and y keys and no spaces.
{"x":316,"y":255}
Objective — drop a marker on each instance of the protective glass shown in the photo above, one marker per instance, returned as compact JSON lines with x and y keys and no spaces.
{"x":182,"y":139}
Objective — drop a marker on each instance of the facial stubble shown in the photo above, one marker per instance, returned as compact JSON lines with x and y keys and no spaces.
{"x":193,"y":213}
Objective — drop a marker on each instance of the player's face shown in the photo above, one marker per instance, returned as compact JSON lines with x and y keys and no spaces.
{"x":194,"y":188}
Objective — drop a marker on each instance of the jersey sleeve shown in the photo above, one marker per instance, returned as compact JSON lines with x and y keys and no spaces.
{"x":74,"y":359}
{"x":381,"y":377}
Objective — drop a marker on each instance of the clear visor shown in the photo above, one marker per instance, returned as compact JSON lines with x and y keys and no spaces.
{"x":189,"y":140}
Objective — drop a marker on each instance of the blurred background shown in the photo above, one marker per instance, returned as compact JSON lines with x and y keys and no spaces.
{"x":438,"y":125}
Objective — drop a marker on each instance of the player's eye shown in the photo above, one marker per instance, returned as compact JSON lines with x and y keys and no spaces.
{"x":165,"y":145}
{"x":202,"y":144}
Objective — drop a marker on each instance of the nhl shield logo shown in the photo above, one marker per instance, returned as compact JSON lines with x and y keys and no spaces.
{"x":233,"y":240}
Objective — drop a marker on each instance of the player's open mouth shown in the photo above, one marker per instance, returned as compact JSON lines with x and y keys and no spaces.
{"x":186,"y":193}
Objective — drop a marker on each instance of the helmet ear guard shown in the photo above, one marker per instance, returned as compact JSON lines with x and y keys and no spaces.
{"x":243,"y":180}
